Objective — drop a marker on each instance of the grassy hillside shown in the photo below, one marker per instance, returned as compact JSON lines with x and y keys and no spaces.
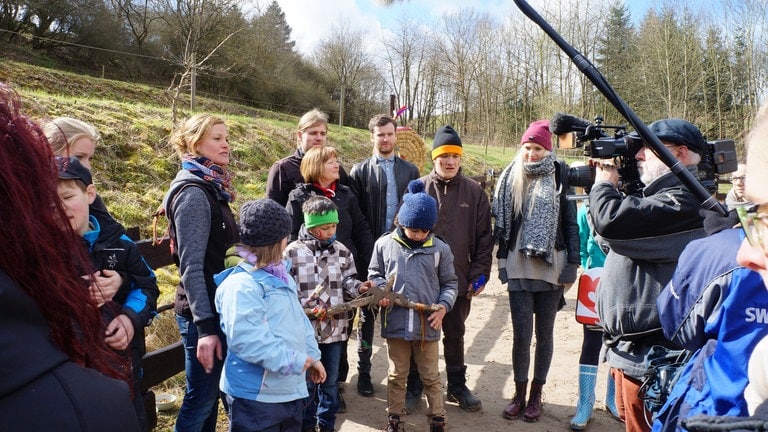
{"x":134,"y":164}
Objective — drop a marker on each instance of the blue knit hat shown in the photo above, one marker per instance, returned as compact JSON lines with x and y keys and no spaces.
{"x":419,"y":210}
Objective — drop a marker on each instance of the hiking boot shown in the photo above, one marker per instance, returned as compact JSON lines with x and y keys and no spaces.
{"x":364,"y":385}
{"x":437,"y":425}
{"x":393,"y":424}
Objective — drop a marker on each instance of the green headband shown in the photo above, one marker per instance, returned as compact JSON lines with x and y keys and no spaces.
{"x":313,"y":220}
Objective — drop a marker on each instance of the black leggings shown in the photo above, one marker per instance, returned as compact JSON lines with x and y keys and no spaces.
{"x":523,"y":305}
{"x":591,"y":345}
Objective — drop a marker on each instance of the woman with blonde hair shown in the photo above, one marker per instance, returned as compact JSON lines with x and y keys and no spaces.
{"x":285,"y":174}
{"x":202,"y":227}
{"x":70,"y":137}
{"x":538,"y":257}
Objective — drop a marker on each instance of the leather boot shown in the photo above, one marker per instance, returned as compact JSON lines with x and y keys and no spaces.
{"x":533,"y":409}
{"x":517,"y":405}
{"x":458,"y":391}
{"x":587,"y":381}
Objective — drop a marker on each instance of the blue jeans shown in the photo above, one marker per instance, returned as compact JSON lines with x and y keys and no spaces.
{"x":200,"y":406}
{"x":324,"y":398}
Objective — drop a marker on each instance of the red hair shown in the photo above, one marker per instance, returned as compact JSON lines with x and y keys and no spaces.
{"x":42,"y":254}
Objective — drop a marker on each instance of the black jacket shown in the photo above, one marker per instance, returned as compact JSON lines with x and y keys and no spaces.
{"x":352,"y":231}
{"x":40,"y":389}
{"x":646,"y":236}
{"x":285,"y":174}
{"x":369,"y":183}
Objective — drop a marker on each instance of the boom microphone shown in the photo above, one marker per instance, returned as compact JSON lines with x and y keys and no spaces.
{"x":565,"y":123}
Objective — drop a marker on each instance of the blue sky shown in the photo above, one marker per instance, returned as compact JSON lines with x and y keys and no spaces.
{"x":310,"y":20}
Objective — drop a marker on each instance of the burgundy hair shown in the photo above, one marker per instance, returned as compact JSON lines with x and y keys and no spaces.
{"x":42,"y":253}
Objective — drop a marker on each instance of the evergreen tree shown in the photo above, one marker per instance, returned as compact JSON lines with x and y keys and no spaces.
{"x":616,"y":56}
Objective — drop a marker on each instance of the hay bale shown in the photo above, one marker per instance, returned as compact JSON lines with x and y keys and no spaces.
{"x":411,"y":147}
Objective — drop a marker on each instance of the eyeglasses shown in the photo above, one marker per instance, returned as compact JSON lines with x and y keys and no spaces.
{"x":739,"y":179}
{"x":754,"y":222}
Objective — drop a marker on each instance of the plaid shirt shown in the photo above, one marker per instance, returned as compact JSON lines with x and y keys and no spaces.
{"x":326,"y":276}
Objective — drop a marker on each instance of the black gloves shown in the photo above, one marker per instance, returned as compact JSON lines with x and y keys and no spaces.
{"x":503,"y":270}
{"x":568,"y":274}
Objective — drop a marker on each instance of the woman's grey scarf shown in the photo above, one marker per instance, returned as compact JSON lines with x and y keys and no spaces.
{"x":538,"y":230}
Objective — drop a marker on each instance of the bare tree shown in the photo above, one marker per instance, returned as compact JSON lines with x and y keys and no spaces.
{"x":407,"y":71}
{"x":343,"y":59}
{"x":197,"y":26}
{"x":139,"y":16}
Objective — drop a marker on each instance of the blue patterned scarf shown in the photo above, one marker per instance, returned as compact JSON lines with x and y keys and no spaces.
{"x":217,"y":175}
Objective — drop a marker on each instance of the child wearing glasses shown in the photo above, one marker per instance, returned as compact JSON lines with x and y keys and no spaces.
{"x":422,"y":265}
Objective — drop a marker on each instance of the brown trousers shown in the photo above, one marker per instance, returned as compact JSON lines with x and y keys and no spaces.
{"x":629,"y":404}
{"x":426,"y":355}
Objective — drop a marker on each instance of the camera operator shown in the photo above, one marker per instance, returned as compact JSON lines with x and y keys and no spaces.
{"x":646,"y":234}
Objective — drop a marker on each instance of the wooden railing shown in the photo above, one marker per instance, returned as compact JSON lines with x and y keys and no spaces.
{"x":165,"y":362}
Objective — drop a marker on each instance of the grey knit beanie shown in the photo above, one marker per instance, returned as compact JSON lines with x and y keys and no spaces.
{"x":263,"y":222}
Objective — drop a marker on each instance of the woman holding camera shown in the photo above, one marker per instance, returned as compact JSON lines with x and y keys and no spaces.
{"x":538,"y":257}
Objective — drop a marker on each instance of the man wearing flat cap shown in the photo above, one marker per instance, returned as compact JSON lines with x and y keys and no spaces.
{"x":646,"y":235}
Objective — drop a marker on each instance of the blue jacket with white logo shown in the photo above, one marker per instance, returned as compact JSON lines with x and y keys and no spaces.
{"x":720,"y":309}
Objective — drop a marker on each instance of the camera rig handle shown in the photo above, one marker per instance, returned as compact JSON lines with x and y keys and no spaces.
{"x":594,"y":75}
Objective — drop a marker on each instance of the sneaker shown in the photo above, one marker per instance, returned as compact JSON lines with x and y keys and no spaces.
{"x":342,"y":405}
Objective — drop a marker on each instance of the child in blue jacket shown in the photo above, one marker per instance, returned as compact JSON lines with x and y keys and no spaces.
{"x":128,"y":309}
{"x":270,"y":341}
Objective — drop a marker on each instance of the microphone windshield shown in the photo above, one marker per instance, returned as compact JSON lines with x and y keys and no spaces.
{"x":565,"y":123}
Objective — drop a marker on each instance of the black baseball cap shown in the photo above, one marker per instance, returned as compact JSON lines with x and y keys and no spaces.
{"x":71,"y":168}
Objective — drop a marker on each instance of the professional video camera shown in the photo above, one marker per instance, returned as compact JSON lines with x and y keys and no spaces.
{"x":719,"y":156}
{"x":598,"y":143}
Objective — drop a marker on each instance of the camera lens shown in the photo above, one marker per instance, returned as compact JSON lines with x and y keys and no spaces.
{"x":581,"y":176}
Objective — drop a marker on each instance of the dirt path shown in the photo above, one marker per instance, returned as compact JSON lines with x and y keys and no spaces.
{"x":489,"y":360}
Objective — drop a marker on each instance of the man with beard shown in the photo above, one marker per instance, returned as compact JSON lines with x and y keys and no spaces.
{"x":646,"y":235}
